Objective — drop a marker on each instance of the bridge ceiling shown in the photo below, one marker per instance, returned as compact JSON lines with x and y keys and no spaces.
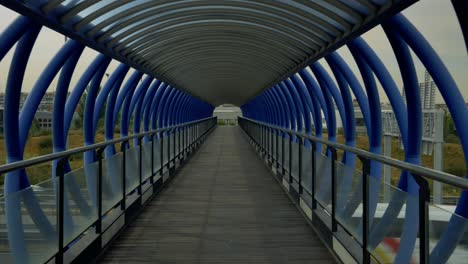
{"x":220,"y":51}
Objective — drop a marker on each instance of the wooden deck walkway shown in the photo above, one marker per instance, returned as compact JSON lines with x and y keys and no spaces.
{"x":222,"y":207}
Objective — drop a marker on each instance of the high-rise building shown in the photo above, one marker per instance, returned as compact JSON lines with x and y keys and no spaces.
{"x":427,"y":92}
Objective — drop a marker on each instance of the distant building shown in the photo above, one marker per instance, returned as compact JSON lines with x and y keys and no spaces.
{"x":227,"y":114}
{"x":44,"y":120}
{"x":427,"y":92}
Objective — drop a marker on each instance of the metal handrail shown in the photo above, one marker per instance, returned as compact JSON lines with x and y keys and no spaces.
{"x":58,"y":155}
{"x":415,"y":169}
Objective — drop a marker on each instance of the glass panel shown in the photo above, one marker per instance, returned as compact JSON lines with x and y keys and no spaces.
{"x":323,"y":180}
{"x":112,"y":181}
{"x":286,"y":154}
{"x":280,"y":151}
{"x":80,"y":213}
{"x":295,"y":161}
{"x":171,"y":146}
{"x":394,"y":227}
{"x":273,"y":145}
{"x":306,"y":179}
{"x":132,"y":169}
{"x":349,"y":205}
{"x":448,"y":236}
{"x":40,"y":242}
{"x":176,"y":143}
{"x":146,"y":162}
{"x":165,"y":144}
{"x":157,"y":154}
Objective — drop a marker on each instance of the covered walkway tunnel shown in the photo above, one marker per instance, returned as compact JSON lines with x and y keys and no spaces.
{"x":157,"y":180}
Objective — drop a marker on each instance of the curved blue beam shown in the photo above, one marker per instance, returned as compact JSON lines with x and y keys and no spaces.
{"x":326,"y":82}
{"x":319,"y":104}
{"x":158,"y":102}
{"x":339,"y":65}
{"x":18,"y":180}
{"x":58,"y":135}
{"x":12,"y":34}
{"x":114,"y":102}
{"x":328,"y":103}
{"x":306,"y":103}
{"x":459,"y":112}
{"x":413,"y":153}
{"x":137,"y":106}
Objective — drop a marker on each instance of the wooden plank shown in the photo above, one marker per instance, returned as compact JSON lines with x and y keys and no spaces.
{"x":222,"y":207}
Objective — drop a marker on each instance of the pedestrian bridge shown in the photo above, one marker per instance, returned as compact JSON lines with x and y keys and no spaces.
{"x":168,"y":185}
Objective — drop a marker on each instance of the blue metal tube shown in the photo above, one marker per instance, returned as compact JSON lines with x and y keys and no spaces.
{"x":115,"y":100}
{"x":12,"y":34}
{"x":319,"y":104}
{"x":413,"y":102}
{"x":159,"y":103}
{"x":459,"y":112}
{"x":137,"y":105}
{"x":59,"y":141}
{"x":17,"y":180}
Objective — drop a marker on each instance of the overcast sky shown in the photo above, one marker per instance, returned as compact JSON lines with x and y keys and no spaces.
{"x":434,"y":18}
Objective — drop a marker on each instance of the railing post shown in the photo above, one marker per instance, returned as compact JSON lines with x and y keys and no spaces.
{"x":272,"y":134}
{"x":179,"y":145}
{"x":299,"y":173}
{"x":314,"y":202}
{"x":365,"y":209}
{"x":277,"y":151}
{"x":174,"y":145}
{"x":161,"y":152}
{"x":168,"y":150}
{"x":152,"y":159}
{"x":290,"y":158}
{"x":140,"y":161}
{"x":424,"y":196}
{"x":60,"y":176}
{"x":99,"y":190}
{"x":333,"y":188}
{"x":282,"y":154}
{"x":123,"y":149}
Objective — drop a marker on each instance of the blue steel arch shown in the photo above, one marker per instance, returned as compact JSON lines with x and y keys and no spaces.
{"x":294,"y":103}
{"x":125,"y":101}
{"x":402,"y":36}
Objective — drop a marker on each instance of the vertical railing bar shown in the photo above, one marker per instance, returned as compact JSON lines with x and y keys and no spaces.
{"x":365,"y":210}
{"x":123,"y":149}
{"x":99,"y":191}
{"x":290,"y":158}
{"x":60,"y":172}
{"x":277,"y":151}
{"x":301,"y":143}
{"x":423,"y":204}
{"x":314,"y":202}
{"x":333,"y":188}
{"x":152,"y":159}
{"x":140,"y":171}
{"x":282,"y":154}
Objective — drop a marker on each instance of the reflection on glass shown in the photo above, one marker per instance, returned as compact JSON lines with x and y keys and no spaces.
{"x":112,"y":173}
{"x":157,"y":154}
{"x":447,"y":231}
{"x":295,"y":160}
{"x":349,"y":199}
{"x":40,"y":243}
{"x":132,"y":169}
{"x":146,"y":160}
{"x":323,"y":180}
{"x":306,"y":176}
{"x":165,"y":154}
{"x":79,"y":212}
{"x":394,"y":227}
